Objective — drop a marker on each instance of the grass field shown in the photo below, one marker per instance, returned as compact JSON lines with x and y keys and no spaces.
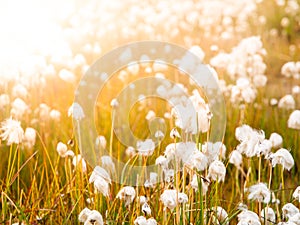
{"x":251,"y":176}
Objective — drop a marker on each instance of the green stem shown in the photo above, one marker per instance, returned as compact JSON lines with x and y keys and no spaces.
{"x":18,"y":180}
{"x":8,"y":167}
{"x":111,"y":133}
{"x":259,"y":168}
{"x":177,"y":190}
{"x":282,"y":182}
{"x":12,"y":169}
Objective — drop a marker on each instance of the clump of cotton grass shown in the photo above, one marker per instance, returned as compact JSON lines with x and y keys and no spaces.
{"x":248,"y":217}
{"x":197,"y":161}
{"x":185,"y":153}
{"x":152,"y":181}
{"x":284,"y":158}
{"x":79,"y":163}
{"x":171,"y":198}
{"x":295,"y":219}
{"x":141,"y":220}
{"x":217,"y":171}
{"x":19,"y":108}
{"x":76,"y":111}
{"x":236,"y":158}
{"x":174,"y":133}
{"x":268,"y":216}
{"x":249,"y":140}
{"x":291,"y":69}
{"x":273,"y":101}
{"x":108,"y":164}
{"x":142,"y":199}
{"x":296,"y":194}
{"x":127,"y":194}
{"x":90,"y":217}
{"x":243,"y":92}
{"x":114,"y":103}
{"x":55,"y":115}
{"x":159,"y":135}
{"x":67,"y":76}
{"x":245,"y":68}
{"x":192,"y":115}
{"x":146,"y":147}
{"x":12,"y":132}
{"x":259,"y":192}
{"x":162,"y":161}
{"x":214,"y":151}
{"x":296,"y":90}
{"x":289,"y":210}
{"x":188,"y":154}
{"x":287,"y":102}
{"x":276,"y":140}
{"x":195,"y":49}
{"x":29,"y":137}
{"x":150,"y":115}
{"x":19,"y":90}
{"x":294,"y":120}
{"x":101,"y":180}
{"x":146,"y":209}
{"x":216,"y":215}
{"x":63,"y":151}
{"x":4,"y":100}
{"x":130,"y":151}
{"x":101,"y":141}
{"x":169,"y":175}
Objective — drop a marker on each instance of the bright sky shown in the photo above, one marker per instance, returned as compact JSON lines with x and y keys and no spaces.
{"x":26,"y":26}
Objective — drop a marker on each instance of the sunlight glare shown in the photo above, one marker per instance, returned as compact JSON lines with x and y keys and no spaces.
{"x":30,"y":27}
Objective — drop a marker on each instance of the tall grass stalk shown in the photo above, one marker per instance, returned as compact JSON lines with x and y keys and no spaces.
{"x":112,"y":133}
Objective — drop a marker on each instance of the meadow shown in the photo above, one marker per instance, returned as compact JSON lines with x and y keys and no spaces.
{"x":168,"y":158}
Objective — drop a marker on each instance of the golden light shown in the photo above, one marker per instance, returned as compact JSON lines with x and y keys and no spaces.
{"x":29,"y":27}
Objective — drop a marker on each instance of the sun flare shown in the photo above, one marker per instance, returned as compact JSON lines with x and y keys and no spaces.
{"x":30,"y":27}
